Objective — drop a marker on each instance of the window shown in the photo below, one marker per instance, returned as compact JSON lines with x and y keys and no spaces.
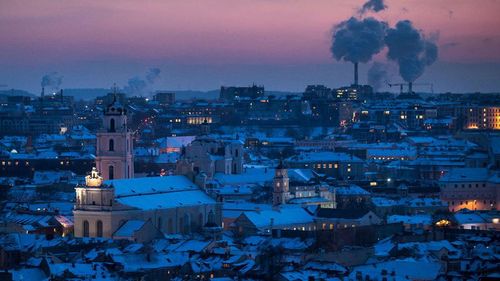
{"x":111,"y":145}
{"x":112,"y":125}
{"x":85,"y":228}
{"x":111,"y":172}
{"x":99,"y":228}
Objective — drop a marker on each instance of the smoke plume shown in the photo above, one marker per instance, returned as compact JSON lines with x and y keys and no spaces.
{"x":153,"y":75}
{"x":410,"y":49}
{"x":372,"y":5}
{"x":357,"y":40}
{"x":377,"y":74}
{"x":52,"y":81}
{"x":140,"y":86}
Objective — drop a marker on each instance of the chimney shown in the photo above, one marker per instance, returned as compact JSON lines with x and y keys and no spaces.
{"x":410,"y":90}
{"x":43,"y":92}
{"x":355,"y":74}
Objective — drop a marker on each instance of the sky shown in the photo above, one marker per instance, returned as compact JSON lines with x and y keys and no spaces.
{"x":203,"y":44}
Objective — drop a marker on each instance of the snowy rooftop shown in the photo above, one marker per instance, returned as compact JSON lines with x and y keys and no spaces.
{"x":257,"y":175}
{"x":285,"y":216}
{"x":159,"y":192}
{"x":465,"y":175}
{"x":415,"y":219}
{"x":128,"y":228}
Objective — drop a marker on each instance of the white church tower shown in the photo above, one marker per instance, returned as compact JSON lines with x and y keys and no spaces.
{"x":93,"y":205}
{"x":114,"y":151}
{"x":281,"y":192}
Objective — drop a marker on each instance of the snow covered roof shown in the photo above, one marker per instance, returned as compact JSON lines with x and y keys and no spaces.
{"x":465,"y":175}
{"x":300,"y":175}
{"x":415,"y":219}
{"x":469,"y":217}
{"x":399,"y":270}
{"x":256,"y":175}
{"x":282,"y":217}
{"x":150,"y":185}
{"x":351,"y":190}
{"x":129,"y":228}
{"x":159,"y":192}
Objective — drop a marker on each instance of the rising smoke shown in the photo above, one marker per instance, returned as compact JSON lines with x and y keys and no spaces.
{"x":357,"y":40}
{"x":410,"y":49}
{"x":377,"y":75}
{"x":138,"y":86}
{"x":372,"y":5}
{"x":52,"y":81}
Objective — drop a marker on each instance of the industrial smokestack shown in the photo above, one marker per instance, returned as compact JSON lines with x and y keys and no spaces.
{"x":357,"y":40}
{"x":410,"y":90}
{"x":43,"y":92}
{"x":355,"y":74}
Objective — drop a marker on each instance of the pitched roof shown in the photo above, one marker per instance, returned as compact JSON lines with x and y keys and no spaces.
{"x":283,"y":217}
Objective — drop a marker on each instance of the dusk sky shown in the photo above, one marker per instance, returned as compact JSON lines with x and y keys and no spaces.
{"x":201,"y":45}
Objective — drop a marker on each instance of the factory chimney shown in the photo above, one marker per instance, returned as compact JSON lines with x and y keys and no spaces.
{"x":410,"y":90}
{"x":355,"y":74}
{"x":43,"y":92}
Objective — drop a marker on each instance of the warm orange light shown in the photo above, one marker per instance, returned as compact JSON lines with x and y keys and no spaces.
{"x":443,"y":223}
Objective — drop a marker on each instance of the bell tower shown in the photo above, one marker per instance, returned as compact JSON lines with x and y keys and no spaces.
{"x":281,"y":192}
{"x":114,"y":151}
{"x":93,"y":205}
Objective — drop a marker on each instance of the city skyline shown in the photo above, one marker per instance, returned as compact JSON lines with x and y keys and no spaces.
{"x":282,"y":45}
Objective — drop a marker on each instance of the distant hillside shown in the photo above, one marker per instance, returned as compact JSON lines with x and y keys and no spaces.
{"x":91,"y":93}
{"x":15,"y":92}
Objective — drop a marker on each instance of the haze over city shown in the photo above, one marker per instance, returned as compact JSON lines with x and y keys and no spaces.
{"x":281,"y":44}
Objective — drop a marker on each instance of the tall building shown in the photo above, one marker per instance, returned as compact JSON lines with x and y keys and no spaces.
{"x":114,"y":151}
{"x":281,"y":182}
{"x":482,"y":117}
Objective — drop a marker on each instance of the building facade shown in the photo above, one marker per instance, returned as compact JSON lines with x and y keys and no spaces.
{"x":173,"y":204}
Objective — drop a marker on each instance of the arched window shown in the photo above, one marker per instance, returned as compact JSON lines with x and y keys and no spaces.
{"x":85,"y":228}
{"x":112,"y":125}
{"x":111,"y":145}
{"x":98,"y":226}
{"x":111,"y":172}
{"x":211,"y":217}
